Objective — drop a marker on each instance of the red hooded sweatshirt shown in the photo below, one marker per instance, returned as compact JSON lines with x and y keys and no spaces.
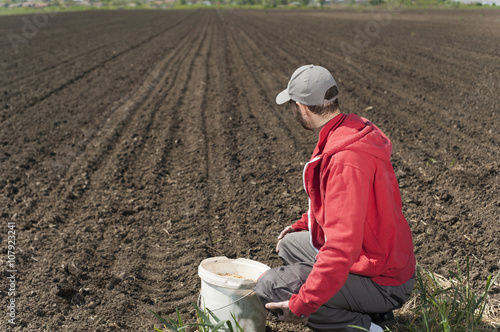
{"x":355,"y":213}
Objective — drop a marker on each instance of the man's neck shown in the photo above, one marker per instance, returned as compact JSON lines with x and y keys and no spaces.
{"x":322,"y":121}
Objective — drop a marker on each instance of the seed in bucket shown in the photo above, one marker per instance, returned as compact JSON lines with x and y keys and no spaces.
{"x":234,"y":276}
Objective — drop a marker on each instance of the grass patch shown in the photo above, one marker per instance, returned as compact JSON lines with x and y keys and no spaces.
{"x":450,"y":304}
{"x":52,"y":9}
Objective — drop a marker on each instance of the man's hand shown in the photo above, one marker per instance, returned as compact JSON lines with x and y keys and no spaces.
{"x":288,"y":316}
{"x":288,"y":229}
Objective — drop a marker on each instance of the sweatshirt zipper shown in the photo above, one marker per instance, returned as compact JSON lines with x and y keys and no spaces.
{"x":309,"y":209}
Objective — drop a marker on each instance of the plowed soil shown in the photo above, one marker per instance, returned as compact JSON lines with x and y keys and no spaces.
{"x":134,"y":144}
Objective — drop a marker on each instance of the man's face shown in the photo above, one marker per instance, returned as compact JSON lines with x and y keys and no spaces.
{"x":298,"y":116}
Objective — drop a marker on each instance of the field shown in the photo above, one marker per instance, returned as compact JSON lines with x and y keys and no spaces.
{"x":134,"y":144}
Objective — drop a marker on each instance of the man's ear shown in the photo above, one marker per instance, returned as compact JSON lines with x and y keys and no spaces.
{"x":303,"y":109}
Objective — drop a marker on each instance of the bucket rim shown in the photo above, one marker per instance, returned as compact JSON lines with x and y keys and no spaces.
{"x":226,"y":282}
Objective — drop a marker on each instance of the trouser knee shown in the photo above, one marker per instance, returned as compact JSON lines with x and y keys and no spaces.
{"x":295,"y":248}
{"x":279,"y":284}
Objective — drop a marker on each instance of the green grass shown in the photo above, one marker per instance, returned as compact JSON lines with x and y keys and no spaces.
{"x":54,"y":9}
{"x":451,"y":305}
{"x":448,"y":304}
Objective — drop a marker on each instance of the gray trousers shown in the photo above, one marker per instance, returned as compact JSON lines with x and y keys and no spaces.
{"x":358,"y":298}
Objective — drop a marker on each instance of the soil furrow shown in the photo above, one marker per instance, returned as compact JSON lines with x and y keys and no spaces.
{"x":191,"y":146}
{"x":263,"y":99}
{"x":58,"y":66}
{"x":99,"y":148}
{"x":36,"y":100}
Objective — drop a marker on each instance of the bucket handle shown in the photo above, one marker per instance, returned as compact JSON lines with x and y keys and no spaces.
{"x":227,"y":305}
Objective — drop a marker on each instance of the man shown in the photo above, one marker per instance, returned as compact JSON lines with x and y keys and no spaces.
{"x":349,"y":259}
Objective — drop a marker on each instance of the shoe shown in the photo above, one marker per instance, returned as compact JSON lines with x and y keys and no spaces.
{"x":375,"y":328}
{"x":384,"y":319}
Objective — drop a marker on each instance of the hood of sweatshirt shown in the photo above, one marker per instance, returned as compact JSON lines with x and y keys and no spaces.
{"x":351,"y":132}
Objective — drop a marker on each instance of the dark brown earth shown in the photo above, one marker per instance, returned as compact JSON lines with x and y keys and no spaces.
{"x":134,"y":144}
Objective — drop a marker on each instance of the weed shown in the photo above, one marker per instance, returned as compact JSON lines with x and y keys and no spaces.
{"x":450,"y":305}
{"x":431,"y":161}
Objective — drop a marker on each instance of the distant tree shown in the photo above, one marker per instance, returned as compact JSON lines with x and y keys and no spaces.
{"x":269,"y":3}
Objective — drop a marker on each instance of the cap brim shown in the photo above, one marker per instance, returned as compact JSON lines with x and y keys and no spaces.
{"x":283,"y":97}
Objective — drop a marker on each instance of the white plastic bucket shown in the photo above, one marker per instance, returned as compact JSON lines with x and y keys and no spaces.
{"x":225,"y":296}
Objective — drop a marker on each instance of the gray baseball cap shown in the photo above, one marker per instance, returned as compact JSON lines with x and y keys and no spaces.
{"x":308,"y":86}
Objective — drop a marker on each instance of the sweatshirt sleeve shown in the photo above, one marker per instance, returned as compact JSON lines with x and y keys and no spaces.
{"x":345,"y":202}
{"x":301,"y":224}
